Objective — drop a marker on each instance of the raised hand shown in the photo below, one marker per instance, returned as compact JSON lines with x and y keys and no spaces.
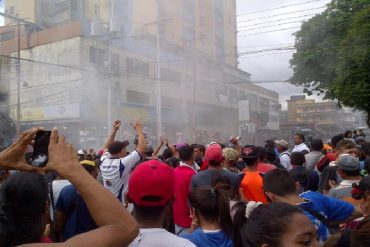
{"x":12,"y":158}
{"x":117,"y":124}
{"x":62,"y":156}
{"x":137,"y":125}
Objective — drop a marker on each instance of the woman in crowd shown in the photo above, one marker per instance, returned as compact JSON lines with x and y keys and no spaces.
{"x":210,"y":210}
{"x":274,"y":224}
{"x":24,"y":199}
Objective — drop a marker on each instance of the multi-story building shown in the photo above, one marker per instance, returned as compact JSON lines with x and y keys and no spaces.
{"x":83,"y":64}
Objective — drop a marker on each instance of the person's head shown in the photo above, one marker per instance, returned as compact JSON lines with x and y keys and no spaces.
{"x":186,"y":153}
{"x":277,"y":184}
{"x":269,"y":144}
{"x":151,"y":189}
{"x":349,"y":167}
{"x":250,"y":155}
{"x":149,"y":150}
{"x":367,"y":165}
{"x":336,"y":139}
{"x":214,"y":155}
{"x":360,"y":140}
{"x":317,"y":145}
{"x":366,"y":149}
{"x":167,"y":153}
{"x":298,"y":138}
{"x":90,"y":167}
{"x":261,"y":153}
{"x":361,"y":192}
{"x":199,"y":150}
{"x":118,"y":149}
{"x":210,"y":205}
{"x":361,"y":236}
{"x":273,"y":224}
{"x":346,"y":147}
{"x":282,"y":145}
{"x":297,"y":159}
{"x":231,"y":156}
{"x":23,"y":209}
{"x":348,"y":134}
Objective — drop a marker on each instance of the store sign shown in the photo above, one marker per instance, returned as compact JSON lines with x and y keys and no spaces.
{"x":66,"y":111}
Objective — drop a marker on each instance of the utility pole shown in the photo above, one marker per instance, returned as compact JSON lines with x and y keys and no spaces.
{"x":18,"y":68}
{"x":158,"y":80}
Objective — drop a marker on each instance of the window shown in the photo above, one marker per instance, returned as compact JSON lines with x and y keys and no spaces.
{"x":97,"y":55}
{"x":171,"y":76}
{"x":137,"y":97}
{"x":136,"y":67}
{"x":7,"y":35}
{"x":115,"y":62}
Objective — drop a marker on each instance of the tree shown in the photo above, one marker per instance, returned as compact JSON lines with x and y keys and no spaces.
{"x":333,"y":54}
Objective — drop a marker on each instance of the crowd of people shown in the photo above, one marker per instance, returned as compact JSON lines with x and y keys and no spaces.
{"x":219,"y":194}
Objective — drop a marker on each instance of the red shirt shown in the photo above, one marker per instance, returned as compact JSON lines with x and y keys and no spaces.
{"x":265,"y":167}
{"x":181,"y":208}
{"x":204,"y":165}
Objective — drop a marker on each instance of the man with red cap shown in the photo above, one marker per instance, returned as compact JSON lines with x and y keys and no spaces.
{"x":215,"y":172}
{"x":151,"y":189}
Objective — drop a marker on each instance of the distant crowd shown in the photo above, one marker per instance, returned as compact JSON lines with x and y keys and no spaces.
{"x":183,"y":194}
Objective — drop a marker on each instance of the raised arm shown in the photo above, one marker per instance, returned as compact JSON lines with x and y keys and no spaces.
{"x":112,"y":136}
{"x":116,"y":226}
{"x":141,"y":145}
{"x":156,"y":151}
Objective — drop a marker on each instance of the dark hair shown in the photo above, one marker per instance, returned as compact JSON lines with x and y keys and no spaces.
{"x":201,"y":148}
{"x":167,"y":153}
{"x":336,"y":139}
{"x":266,"y":224}
{"x":23,"y":198}
{"x":148,"y":212}
{"x":367,"y":165}
{"x":359,"y":190}
{"x":116,"y":147}
{"x":172,"y":162}
{"x":261,"y":153}
{"x":212,"y":203}
{"x":297,"y":159}
{"x":317,"y":145}
{"x":354,"y":173}
{"x":250,"y":161}
{"x":186,"y":152}
{"x":89,"y":168}
{"x":366,"y":148}
{"x":347,"y":133}
{"x":300,"y":135}
{"x":279,"y":182}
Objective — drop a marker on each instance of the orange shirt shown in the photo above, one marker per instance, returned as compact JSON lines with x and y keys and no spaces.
{"x":252,"y":186}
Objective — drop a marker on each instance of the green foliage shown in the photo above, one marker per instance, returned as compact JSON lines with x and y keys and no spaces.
{"x":333,"y":54}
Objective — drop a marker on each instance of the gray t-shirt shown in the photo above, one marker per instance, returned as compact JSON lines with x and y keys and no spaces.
{"x":208,"y":177}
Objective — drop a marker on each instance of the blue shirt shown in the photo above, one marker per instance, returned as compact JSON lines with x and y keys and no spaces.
{"x":209,"y":239}
{"x":332,"y":209}
{"x":78,"y":218}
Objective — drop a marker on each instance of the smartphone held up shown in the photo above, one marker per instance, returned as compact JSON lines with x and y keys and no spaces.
{"x":40,"y":154}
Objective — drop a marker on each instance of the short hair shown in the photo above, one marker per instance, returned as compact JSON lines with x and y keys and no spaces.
{"x":317,"y":145}
{"x":366,"y":148}
{"x":202,"y":148}
{"x":116,"y":147}
{"x":345,"y":144}
{"x":186,"y":152}
{"x":167,"y":153}
{"x":347,"y":133}
{"x":300,"y":136}
{"x":336,"y":139}
{"x":297,"y":159}
{"x":279,"y":182}
{"x":261,"y":153}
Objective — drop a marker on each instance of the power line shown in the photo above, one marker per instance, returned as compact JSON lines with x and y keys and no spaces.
{"x":281,"y":7}
{"x":266,"y":17}
{"x":269,"y":54}
{"x":284,"y":19}
{"x":272,"y":49}
{"x":271,"y":31}
{"x":269,"y":26}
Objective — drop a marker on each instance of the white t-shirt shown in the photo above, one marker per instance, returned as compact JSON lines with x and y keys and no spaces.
{"x":57,"y":186}
{"x":300,"y":147}
{"x":285,"y":160}
{"x":116,"y":172}
{"x":158,"y":237}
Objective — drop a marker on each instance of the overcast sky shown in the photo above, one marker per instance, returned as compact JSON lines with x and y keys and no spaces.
{"x":272,"y":65}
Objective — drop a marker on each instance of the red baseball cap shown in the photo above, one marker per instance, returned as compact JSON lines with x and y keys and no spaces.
{"x":214,"y":152}
{"x":151,"y":184}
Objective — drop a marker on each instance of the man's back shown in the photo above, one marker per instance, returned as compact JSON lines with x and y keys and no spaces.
{"x":115,"y":172}
{"x":209,"y":177}
{"x":252,"y":187}
{"x":312,"y":158}
{"x":343,"y":190}
{"x":181,"y":210}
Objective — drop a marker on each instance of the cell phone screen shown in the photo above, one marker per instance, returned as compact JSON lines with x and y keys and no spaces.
{"x":40,"y":150}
